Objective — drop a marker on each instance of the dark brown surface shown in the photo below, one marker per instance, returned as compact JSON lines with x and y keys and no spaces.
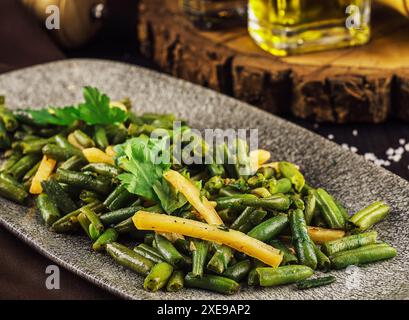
{"x":350,"y":85}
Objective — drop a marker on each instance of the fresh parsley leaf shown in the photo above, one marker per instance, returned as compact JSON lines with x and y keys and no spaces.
{"x":170,"y":199}
{"x":96,"y":110}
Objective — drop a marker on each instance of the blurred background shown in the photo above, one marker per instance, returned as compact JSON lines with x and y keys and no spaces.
{"x":356,"y":96}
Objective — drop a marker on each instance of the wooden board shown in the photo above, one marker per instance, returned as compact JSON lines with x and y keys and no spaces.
{"x":361,"y":84}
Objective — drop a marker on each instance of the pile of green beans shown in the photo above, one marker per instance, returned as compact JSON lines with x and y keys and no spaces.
{"x":274,"y":205}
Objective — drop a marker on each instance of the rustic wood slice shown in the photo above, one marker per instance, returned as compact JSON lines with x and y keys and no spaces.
{"x":361,"y":84}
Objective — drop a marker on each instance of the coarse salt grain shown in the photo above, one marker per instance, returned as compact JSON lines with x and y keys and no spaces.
{"x":400,"y":150}
{"x":354,"y":132}
{"x":354,"y":149}
{"x":330,"y":136}
{"x":402,"y":141}
{"x":390,"y":152}
{"x":407,"y":147}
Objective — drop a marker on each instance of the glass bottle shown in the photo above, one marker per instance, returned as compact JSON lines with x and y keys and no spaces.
{"x":215,"y":14}
{"x":284,"y":27}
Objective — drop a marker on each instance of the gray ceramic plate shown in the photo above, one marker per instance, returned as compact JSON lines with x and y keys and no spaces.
{"x":355,"y":182}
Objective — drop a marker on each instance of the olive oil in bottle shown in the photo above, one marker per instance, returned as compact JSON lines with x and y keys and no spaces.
{"x":215,"y":14}
{"x":284,"y":27}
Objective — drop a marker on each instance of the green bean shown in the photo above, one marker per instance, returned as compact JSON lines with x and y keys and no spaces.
{"x":114,"y":194}
{"x":289,"y":170}
{"x":329,"y":210}
{"x":12,"y":191}
{"x":33,"y":146}
{"x":288,"y":256}
{"x":102,"y":169}
{"x":283,"y":275}
{"x":168,"y":251}
{"x":83,"y":139}
{"x":176,"y":281}
{"x":125,"y":226}
{"x":81,"y":180}
{"x":129,"y":259}
{"x":363,"y":255}
{"x":270,"y":228}
{"x":158,"y":277}
{"x":63,"y":143}
{"x":220,"y":259}
{"x":200,"y":249}
{"x":58,"y":196}
{"x":229,"y":192}
{"x":10,"y":161}
{"x":182,"y":245}
{"x":214,"y":184}
{"x":68,"y":222}
{"x":85,"y":225}
{"x":23,"y":165}
{"x":367,"y":217}
{"x":350,"y":242}
{"x":100,"y":138}
{"x":283,"y":185}
{"x":301,"y":240}
{"x":261,"y":192}
{"x":214,"y":283}
{"x":242,"y":219}
{"x":74,"y":163}
{"x":30,"y":173}
{"x":120,"y":135}
{"x":94,"y":219}
{"x":48,"y":209}
{"x":227,"y":215}
{"x":58,"y":153}
{"x":275,"y":202}
{"x":252,"y":278}
{"x":5,"y":141}
{"x":122,"y":200}
{"x":89,"y":196}
{"x":310,"y":206}
{"x":9,"y":120}
{"x":10,"y":179}
{"x":238,"y":271}
{"x":109,"y":236}
{"x":149,"y":254}
{"x":314,"y":283}
{"x":119,"y":215}
{"x":323,"y":261}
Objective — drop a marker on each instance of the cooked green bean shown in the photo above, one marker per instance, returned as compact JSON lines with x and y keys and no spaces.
{"x":288,"y":256}
{"x":270,"y":228}
{"x":301,"y":240}
{"x":58,"y":196}
{"x":199,"y":252}
{"x":283,"y":185}
{"x":33,"y":146}
{"x":323,"y":262}
{"x":238,"y":271}
{"x":100,"y":138}
{"x":74,"y":163}
{"x":290,"y":171}
{"x":363,"y":255}
{"x":329,"y":210}
{"x":9,"y":120}
{"x":56,"y":152}
{"x":310,"y":206}
{"x":268,"y":277}
{"x":89,"y":196}
{"x":158,"y":276}
{"x":20,"y":168}
{"x":275,"y":202}
{"x":176,"y":281}
{"x":212,"y":283}
{"x":350,"y":242}
{"x":30,"y":173}
{"x":221,"y":259}
{"x":83,"y":139}
{"x":125,"y":226}
{"x":149,"y":253}
{"x":168,"y":251}
{"x":102,"y":169}
{"x":99,"y":184}
{"x":314,"y":283}
{"x":129,"y":259}
{"x":94,"y":219}
{"x":118,"y":215}
{"x":11,"y":160}
{"x":12,"y":191}
{"x":367,"y":217}
{"x":110,"y":235}
{"x":48,"y":209}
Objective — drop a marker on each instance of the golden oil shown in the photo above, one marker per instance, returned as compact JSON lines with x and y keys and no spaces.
{"x":285,"y":27}
{"x":215,"y":14}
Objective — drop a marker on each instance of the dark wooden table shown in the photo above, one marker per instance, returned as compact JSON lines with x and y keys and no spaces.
{"x":22,"y":270}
